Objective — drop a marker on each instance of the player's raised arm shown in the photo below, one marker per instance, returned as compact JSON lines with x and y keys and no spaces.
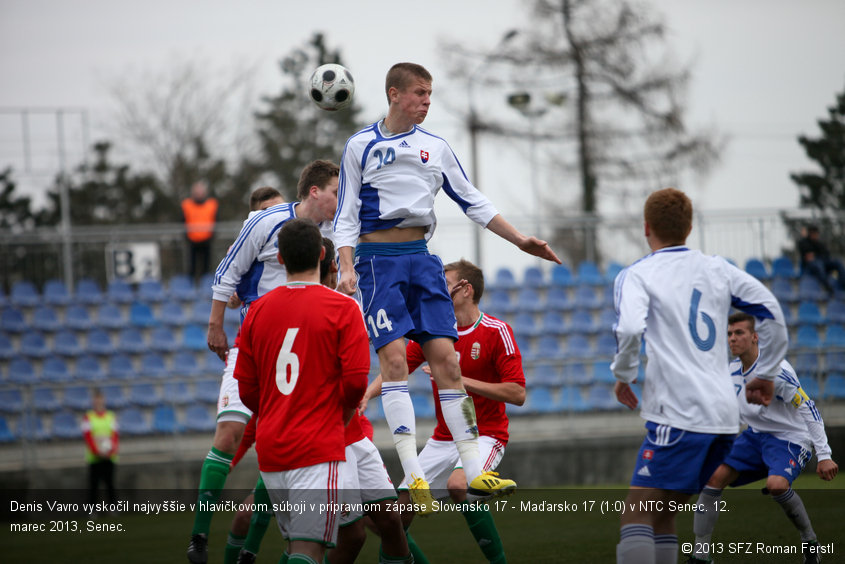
{"x":529,"y":244}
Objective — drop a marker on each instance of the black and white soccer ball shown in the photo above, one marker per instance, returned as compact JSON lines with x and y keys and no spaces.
{"x":331,"y":87}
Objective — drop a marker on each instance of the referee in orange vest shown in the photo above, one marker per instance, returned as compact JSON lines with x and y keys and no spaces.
{"x":200,"y":215}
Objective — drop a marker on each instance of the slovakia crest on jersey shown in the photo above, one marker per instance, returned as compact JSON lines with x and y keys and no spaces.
{"x":648,"y":454}
{"x":424,"y":156}
{"x":476,"y":350}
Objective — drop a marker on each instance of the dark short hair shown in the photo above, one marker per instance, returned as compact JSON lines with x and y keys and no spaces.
{"x":317,"y":173}
{"x":326,"y":263}
{"x":300,"y":243}
{"x":740,"y":316}
{"x":471,"y":273}
{"x":400,"y":76}
{"x":260,"y":195}
{"x":812,"y":228}
{"x":668,"y":213}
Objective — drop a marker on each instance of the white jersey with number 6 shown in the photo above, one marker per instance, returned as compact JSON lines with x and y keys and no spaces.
{"x":680,"y":299}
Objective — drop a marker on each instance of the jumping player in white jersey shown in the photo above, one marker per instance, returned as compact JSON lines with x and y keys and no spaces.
{"x":680,"y":299}
{"x":250,"y":269}
{"x":776,"y":445}
{"x":390,"y":174}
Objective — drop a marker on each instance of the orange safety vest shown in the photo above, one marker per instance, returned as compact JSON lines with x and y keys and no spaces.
{"x":199,"y":218}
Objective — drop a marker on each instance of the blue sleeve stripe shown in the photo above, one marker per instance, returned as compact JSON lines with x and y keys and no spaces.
{"x":447,"y":187}
{"x":757,"y":310}
{"x":786,"y":376}
{"x":244,"y":235}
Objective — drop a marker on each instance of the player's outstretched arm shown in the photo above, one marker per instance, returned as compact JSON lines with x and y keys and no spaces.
{"x":827,"y":469}
{"x":216,"y":336}
{"x":531,"y":245}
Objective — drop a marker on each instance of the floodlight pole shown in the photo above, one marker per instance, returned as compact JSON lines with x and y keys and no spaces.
{"x":64,"y":195}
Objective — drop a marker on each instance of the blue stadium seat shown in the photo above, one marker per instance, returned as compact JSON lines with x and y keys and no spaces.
{"x":200,"y":418}
{"x":65,"y":426}
{"x":548,"y":347}
{"x":757,"y":268}
{"x":809,"y":314}
{"x":7,"y":347}
{"x":32,"y":428}
{"x":6,"y":434}
{"x":834,"y":336}
{"x":572,"y":400}
{"x":207,"y":391}
{"x":602,"y":373}
{"x":600,"y":397}
{"x":527,"y":347}
{"x":558,"y":299}
{"x":534,"y":278}
{"x":172,"y":315}
{"x":545,"y":373}
{"x":55,"y":370}
{"x":524,"y":324}
{"x":56,"y":293}
{"x":423,"y":405}
{"x":212,"y":365}
{"x":586,"y":297}
{"x":88,"y":292}
{"x":151,"y":291}
{"x":153,"y":366}
{"x":419,"y":382}
{"x":33,"y":345}
{"x":184,"y":364}
{"x":578,"y":347}
{"x":11,"y":401}
{"x":144,"y":394}
{"x":141,"y":315}
{"x":783,"y":267}
{"x":88,"y":369}
{"x":582,"y":322}
{"x":807,"y":337}
{"x":66,"y":343}
{"x":607,"y":319}
{"x":98,"y":342}
{"x":44,"y":399}
{"x":162,"y":339}
{"x":554,"y":324}
{"x":24,"y":294}
{"x":589,"y":273}
{"x":120,"y":367}
{"x":606,"y":344}
{"x":131,"y":341}
{"x":504,"y":279}
{"x":110,"y":316}
{"x":806,"y":363}
{"x":529,"y":300}
{"x":835,"y":312}
{"x":133,"y":422}
{"x":834,"y":387}
{"x":200,"y":311}
{"x":576,"y":374}
{"x":540,"y":400}
{"x":115,"y":396}
{"x":204,"y":286}
{"x":783,"y":290}
{"x":612,"y":271}
{"x":77,"y":318}
{"x":177,"y":393}
{"x":194,"y":338}
{"x":45,"y":319}
{"x":498,"y":303}
{"x":120,"y":292}
{"x":561,"y":276}
{"x":809,"y":288}
{"x":164,"y":420}
{"x":180,"y":288}
{"x":12,"y":320}
{"x":76,"y":397}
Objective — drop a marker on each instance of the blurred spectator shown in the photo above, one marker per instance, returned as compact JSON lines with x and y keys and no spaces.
{"x":99,"y":427}
{"x":200,"y":215}
{"x":816,"y":259}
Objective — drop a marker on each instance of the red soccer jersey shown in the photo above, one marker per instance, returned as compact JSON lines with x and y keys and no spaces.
{"x":303,"y":356}
{"x":487,"y":351}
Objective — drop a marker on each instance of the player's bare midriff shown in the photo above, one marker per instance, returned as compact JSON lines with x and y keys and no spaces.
{"x":394,"y":235}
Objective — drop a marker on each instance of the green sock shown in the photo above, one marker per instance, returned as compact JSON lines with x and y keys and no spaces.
{"x":234,"y":544}
{"x":212,"y":479}
{"x":260,"y":520}
{"x":382,"y":559}
{"x":484,"y":530}
{"x":416,"y":551}
{"x":284,"y":558}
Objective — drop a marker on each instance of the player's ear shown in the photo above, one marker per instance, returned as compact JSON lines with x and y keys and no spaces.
{"x":281,"y":260}
{"x":322,"y":253}
{"x":646,"y":228}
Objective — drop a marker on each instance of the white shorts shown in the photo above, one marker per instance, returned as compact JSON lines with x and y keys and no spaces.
{"x":229,"y":404}
{"x":365,"y":480}
{"x":306,"y":501}
{"x":438,"y":459}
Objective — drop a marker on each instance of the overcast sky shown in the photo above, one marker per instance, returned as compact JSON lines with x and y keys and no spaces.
{"x":763,"y":70}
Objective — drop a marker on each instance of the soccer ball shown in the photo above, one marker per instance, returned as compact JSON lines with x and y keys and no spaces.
{"x":331,"y":87}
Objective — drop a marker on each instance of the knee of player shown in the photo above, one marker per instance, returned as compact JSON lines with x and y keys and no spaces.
{"x":240,"y":522}
{"x":777,"y":485}
{"x":457,"y":487}
{"x":228,"y":436}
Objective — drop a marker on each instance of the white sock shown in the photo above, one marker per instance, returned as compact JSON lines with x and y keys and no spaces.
{"x":399,"y":413}
{"x":636,"y":545}
{"x":459,"y":414}
{"x":666,"y":549}
{"x":705,"y":521}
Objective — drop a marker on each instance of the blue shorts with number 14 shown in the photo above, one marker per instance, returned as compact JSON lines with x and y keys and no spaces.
{"x":405,"y":296}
